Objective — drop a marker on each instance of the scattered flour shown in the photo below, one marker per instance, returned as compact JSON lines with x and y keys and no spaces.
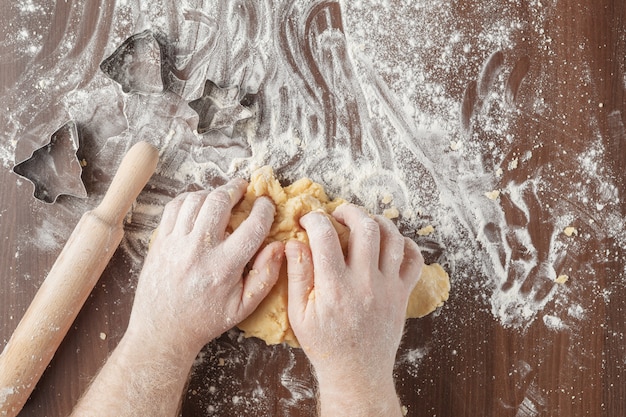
{"x":373,"y":119}
{"x":5,"y":393}
{"x":553,"y":322}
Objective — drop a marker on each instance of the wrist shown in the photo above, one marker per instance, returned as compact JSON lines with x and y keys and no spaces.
{"x":150,"y":343}
{"x":354,"y":396}
{"x":141,"y":377}
{"x":342,"y":383}
{"x":364,"y":370}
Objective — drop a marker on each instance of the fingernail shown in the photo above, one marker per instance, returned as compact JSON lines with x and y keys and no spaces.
{"x":299,"y":257}
{"x":267,"y":200}
{"x":238,"y":182}
{"x":267,"y":203}
{"x":277,"y":255}
{"x":309,"y":218}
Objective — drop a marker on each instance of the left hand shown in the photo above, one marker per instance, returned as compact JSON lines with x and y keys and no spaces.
{"x":191,"y":288}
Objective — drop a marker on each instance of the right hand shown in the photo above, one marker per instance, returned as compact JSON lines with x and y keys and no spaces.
{"x":348,"y":313}
{"x":192,"y":288}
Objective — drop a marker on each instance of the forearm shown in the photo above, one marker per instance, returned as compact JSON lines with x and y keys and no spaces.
{"x":141,"y":378}
{"x":347,"y":396}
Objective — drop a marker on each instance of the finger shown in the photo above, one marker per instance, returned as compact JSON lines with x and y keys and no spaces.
{"x":214,"y":215}
{"x":300,"y":278}
{"x":246,"y":240}
{"x":412,"y":263}
{"x":170,"y":214}
{"x":364,"y":243}
{"x":188,"y":212}
{"x":328,"y":260}
{"x":262,"y":277}
{"x":391,"y":247}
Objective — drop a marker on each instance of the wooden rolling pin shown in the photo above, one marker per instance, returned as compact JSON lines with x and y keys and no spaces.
{"x":70,"y":281}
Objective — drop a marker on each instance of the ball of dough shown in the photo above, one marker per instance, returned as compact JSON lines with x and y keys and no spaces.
{"x":270,"y":321}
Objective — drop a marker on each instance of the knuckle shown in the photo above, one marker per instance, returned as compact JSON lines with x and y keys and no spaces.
{"x":220,"y":198}
{"x":266,"y":207}
{"x":196,"y":197}
{"x":387,"y":225}
{"x":330,"y":265}
{"x":399,"y":242}
{"x":297,"y":275}
{"x":413,"y":255}
{"x":370,"y":227}
{"x":233,"y":264}
{"x":326,"y":233}
{"x":412,"y":247}
{"x":260,"y":231}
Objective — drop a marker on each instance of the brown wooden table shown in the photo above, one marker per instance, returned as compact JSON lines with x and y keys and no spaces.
{"x":452,"y":100}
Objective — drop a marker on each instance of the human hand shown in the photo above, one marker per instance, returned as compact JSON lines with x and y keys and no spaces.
{"x":191,"y":288}
{"x":348,"y":313}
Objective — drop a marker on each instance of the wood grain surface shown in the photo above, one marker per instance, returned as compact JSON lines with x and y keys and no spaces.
{"x":466,"y":360}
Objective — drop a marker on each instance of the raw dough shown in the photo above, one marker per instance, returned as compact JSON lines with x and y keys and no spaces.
{"x":570,"y":231}
{"x":269,"y":321}
{"x":561,"y":279}
{"x":426,"y":230}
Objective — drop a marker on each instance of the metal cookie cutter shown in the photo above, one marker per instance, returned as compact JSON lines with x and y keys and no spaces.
{"x":140,"y":64}
{"x":220,"y":108}
{"x":54,"y":169}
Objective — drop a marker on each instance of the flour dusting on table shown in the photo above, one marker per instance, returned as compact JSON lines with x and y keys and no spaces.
{"x":423,"y":126}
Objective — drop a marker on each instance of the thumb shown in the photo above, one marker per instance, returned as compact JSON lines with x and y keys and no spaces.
{"x":261,"y":279}
{"x":300,"y":278}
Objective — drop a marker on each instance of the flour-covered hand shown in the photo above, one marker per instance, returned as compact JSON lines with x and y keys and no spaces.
{"x":348,"y":312}
{"x":192,"y":288}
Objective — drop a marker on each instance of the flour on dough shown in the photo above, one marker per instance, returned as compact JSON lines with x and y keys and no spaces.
{"x":269,"y":321}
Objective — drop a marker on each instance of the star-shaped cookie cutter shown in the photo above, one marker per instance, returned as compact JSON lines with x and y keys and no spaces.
{"x":219,"y":108}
